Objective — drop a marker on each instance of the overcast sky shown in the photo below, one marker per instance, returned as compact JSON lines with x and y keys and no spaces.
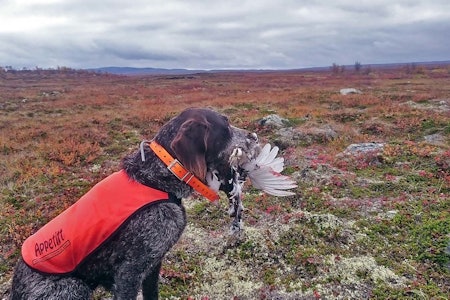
{"x":225,"y":34}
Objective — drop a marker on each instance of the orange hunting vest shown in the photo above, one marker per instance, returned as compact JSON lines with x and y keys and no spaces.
{"x":64,"y":242}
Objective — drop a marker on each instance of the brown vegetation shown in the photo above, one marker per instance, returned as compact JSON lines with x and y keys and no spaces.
{"x":360,"y":227}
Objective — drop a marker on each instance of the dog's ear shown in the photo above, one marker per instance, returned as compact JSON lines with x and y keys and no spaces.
{"x":190,"y":145}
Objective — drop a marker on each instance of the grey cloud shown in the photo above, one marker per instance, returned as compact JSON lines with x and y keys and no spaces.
{"x":222,"y":34}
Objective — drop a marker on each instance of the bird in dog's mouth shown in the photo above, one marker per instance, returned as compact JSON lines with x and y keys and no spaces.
{"x":262,"y":166}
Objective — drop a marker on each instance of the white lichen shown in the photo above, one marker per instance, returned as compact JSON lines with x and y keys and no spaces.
{"x":225,"y":280}
{"x":354,"y":270}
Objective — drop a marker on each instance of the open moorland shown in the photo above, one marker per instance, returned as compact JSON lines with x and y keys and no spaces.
{"x":371,"y":217}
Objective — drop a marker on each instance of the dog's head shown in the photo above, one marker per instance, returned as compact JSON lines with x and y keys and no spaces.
{"x":203,"y":141}
{"x":222,"y":156}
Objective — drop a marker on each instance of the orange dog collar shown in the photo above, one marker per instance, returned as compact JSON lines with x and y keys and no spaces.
{"x":177,"y":169}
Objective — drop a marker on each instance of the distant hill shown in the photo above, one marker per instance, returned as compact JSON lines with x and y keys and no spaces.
{"x":144,"y":71}
{"x":161,"y":71}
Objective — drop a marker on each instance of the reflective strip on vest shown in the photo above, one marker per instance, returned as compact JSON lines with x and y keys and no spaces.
{"x":62,"y":244}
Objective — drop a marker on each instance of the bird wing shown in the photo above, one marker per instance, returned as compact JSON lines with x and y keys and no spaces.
{"x":272,"y":182}
{"x":264,"y":173}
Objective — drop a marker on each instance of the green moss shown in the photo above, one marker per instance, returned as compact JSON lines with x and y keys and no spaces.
{"x":358,"y":192}
{"x":245,"y":105}
{"x":384,"y":291}
{"x":207,"y":216}
{"x":296,"y":121}
{"x":446,"y":129}
{"x":247,"y":249}
{"x":385,"y":188}
{"x":428,"y":124}
{"x":269,"y":276}
{"x":178,"y":272}
{"x":432,"y":239}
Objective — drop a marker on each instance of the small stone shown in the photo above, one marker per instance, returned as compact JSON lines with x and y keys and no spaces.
{"x":391,"y":214}
{"x":274,"y":120}
{"x":348,"y":91}
{"x":364,"y":148}
{"x":435,"y":139}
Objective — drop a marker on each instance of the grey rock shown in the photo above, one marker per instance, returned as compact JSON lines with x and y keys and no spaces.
{"x":274,"y":120}
{"x":436,"y":139}
{"x":348,"y":91}
{"x":294,"y":136}
{"x":363,"y":148}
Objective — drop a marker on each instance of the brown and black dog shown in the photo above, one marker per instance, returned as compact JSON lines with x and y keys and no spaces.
{"x":130,"y":258}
